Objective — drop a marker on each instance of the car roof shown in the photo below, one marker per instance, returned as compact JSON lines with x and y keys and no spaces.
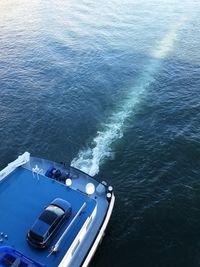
{"x":40,"y":227}
{"x":49,"y":216}
{"x":56,"y":209}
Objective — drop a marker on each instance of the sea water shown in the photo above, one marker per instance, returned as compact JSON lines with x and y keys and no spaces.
{"x":112,"y":87}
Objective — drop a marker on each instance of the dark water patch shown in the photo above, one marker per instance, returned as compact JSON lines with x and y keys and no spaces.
{"x":66,"y":68}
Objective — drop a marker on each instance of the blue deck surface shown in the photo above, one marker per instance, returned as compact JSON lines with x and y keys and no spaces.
{"x":23,"y":195}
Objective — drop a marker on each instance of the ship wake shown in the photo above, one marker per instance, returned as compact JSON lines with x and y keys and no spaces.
{"x":90,"y":159}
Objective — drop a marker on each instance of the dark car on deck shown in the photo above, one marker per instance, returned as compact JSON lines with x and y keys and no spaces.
{"x":49,"y":223}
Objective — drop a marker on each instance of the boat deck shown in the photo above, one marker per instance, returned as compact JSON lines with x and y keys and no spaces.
{"x":23,"y":196}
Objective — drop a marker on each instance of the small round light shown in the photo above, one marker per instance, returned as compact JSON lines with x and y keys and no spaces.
{"x":90,"y":188}
{"x":108,"y":195}
{"x":110,"y":188}
{"x":68,"y":182}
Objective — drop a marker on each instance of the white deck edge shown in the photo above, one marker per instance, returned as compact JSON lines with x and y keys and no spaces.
{"x":100,"y":234}
{"x":78,"y":239}
{"x":21,"y":160}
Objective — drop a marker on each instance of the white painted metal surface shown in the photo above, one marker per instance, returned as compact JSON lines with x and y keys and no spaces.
{"x":22,"y":159}
{"x":100,"y":234}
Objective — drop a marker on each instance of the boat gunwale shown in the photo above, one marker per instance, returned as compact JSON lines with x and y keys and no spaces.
{"x":100,"y":234}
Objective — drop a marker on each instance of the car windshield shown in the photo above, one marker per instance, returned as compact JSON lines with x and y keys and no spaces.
{"x":50,"y":214}
{"x":55,"y":209}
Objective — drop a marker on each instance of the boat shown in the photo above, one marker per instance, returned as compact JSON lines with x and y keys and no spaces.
{"x":51,"y":214}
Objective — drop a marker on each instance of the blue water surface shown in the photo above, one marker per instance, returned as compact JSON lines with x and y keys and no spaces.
{"x":113,"y":88}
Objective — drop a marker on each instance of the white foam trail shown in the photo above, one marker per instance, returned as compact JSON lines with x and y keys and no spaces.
{"x":167,"y":43}
{"x":89,"y":159}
